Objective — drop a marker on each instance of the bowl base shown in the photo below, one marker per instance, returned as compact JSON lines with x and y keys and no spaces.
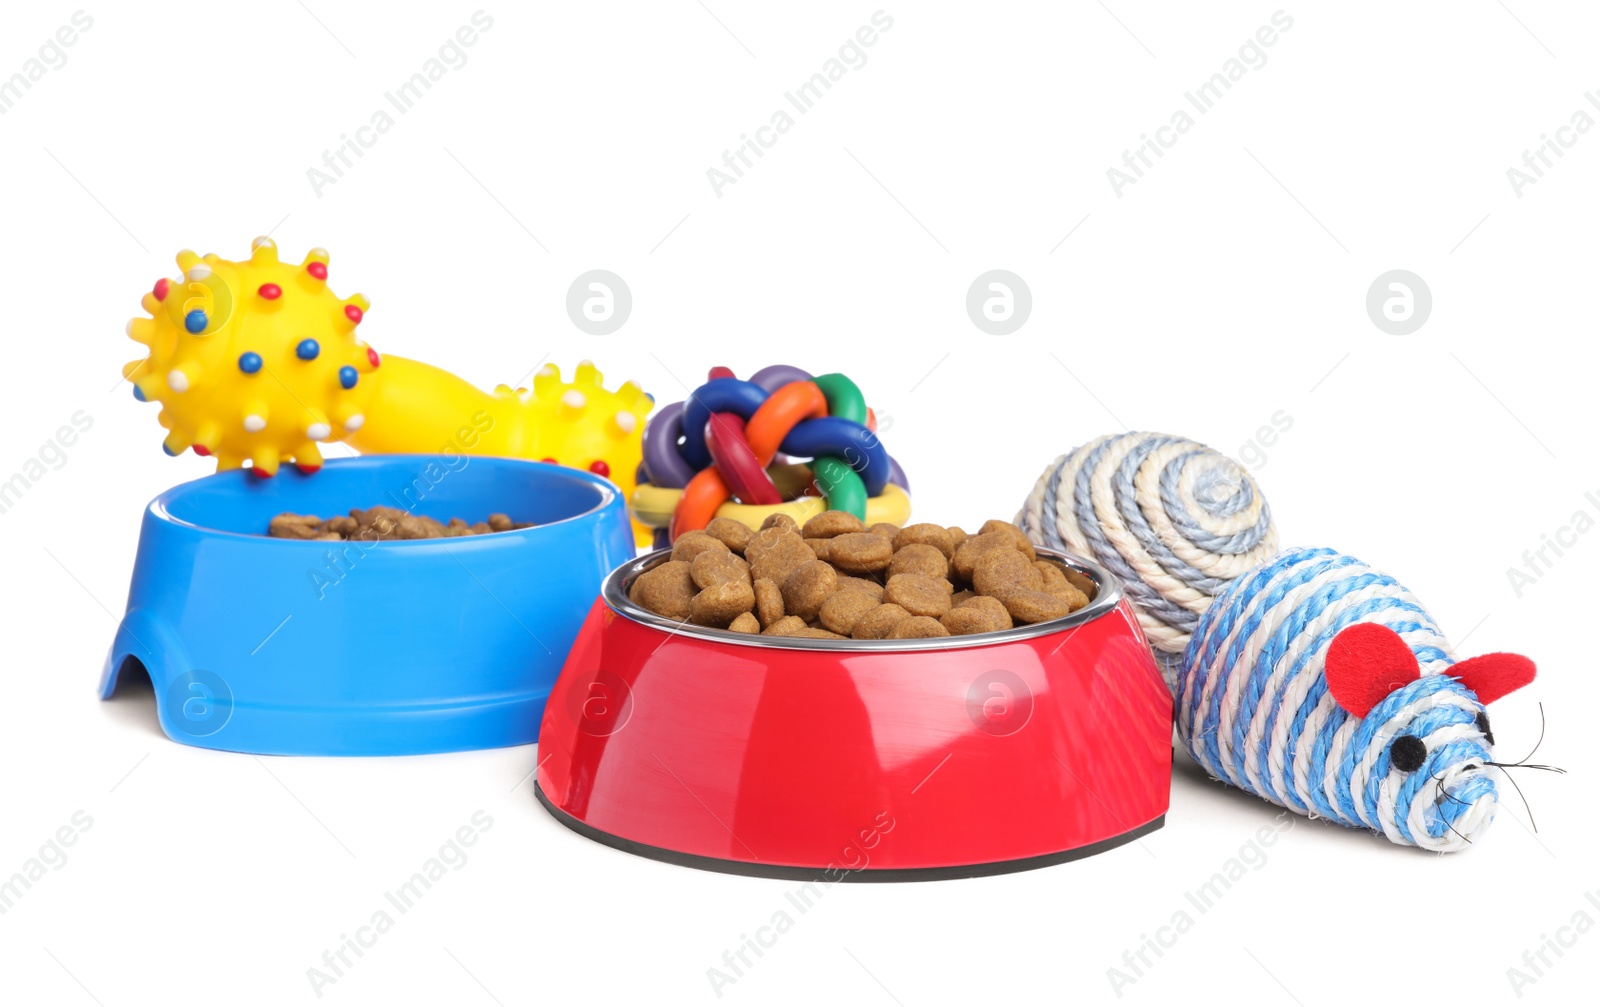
{"x":787,"y":872}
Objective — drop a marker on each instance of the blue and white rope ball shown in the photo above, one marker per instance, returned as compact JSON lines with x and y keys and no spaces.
{"x":1255,"y":707}
{"x":1175,"y":520}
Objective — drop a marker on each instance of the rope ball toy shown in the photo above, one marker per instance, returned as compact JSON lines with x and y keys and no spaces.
{"x":1175,"y":520}
{"x":717,"y":454}
{"x":1323,"y":686}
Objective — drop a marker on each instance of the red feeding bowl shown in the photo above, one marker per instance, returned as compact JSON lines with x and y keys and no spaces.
{"x":860,"y":760}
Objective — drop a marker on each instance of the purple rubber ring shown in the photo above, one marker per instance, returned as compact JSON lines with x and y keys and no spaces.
{"x":776,"y":376}
{"x":897,"y":475}
{"x":666,"y":466}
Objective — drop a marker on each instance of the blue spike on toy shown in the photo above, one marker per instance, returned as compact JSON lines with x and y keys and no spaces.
{"x":195,"y":321}
{"x":249,"y":362}
{"x":139,"y":394}
{"x":308,"y":349}
{"x":348,"y":376}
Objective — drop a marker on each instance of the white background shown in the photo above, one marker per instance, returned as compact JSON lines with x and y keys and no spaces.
{"x":1225,"y":286}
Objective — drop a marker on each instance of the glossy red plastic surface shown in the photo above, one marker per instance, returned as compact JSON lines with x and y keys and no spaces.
{"x":867,"y":760}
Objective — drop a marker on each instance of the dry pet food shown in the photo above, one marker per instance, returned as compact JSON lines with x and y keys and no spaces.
{"x":377,"y":524}
{"x":835,"y":578}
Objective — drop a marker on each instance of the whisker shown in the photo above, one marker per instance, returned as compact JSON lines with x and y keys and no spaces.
{"x":1525,"y":805}
{"x":1536,"y":744}
{"x":1438,"y":783}
{"x":1523,"y":763}
{"x":1527,"y":765}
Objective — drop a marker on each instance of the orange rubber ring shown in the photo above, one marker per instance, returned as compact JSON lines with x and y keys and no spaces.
{"x":784,"y":409}
{"x":698,"y":505}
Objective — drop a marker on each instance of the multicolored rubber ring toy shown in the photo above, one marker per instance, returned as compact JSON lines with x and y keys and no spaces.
{"x":738,"y":449}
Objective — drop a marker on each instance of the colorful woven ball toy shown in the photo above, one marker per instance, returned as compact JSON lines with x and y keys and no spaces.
{"x":1324,"y":686}
{"x":731,"y":449}
{"x":1175,"y":520}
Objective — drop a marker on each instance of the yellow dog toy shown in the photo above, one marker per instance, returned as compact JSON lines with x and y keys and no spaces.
{"x":259,"y":361}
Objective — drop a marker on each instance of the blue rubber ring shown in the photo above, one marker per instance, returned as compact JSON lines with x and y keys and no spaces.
{"x":720,"y":395}
{"x":853,"y":443}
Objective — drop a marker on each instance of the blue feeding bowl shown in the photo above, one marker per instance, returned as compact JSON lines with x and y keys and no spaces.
{"x":400,"y":647}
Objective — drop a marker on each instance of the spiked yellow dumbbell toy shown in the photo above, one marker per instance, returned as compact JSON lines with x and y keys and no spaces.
{"x":259,"y":361}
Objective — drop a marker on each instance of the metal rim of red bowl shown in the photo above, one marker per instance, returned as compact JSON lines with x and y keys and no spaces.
{"x":614,"y":592}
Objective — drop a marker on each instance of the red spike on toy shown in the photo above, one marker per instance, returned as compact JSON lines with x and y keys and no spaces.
{"x":1365,"y":663}
{"x":161,"y":289}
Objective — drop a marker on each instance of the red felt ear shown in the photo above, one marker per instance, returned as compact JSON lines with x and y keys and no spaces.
{"x":1491,"y":676}
{"x":1365,"y":663}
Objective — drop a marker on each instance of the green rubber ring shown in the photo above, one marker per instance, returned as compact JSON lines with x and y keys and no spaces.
{"x":838,"y":481}
{"x":844,"y":398}
{"x":841,"y":485}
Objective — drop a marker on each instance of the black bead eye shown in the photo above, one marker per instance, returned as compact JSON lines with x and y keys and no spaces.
{"x":1408,"y":753}
{"x":1483,"y":726}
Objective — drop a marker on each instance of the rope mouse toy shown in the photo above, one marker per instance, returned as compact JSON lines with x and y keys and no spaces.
{"x":1323,"y":686}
